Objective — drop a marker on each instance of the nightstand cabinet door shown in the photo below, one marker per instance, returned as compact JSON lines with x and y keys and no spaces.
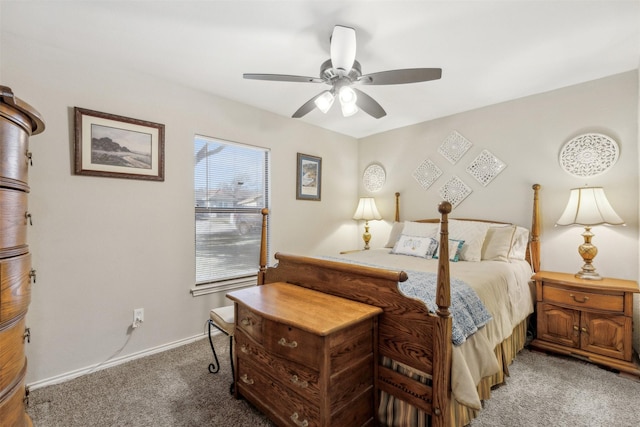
{"x":607,"y":335}
{"x":559,"y":325}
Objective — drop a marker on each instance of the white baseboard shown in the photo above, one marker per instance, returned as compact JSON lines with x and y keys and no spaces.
{"x":116,"y":361}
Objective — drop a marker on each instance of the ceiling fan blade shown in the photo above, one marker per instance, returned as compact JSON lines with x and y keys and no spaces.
{"x":369,"y":105}
{"x":307,"y":107}
{"x":395,"y":77}
{"x":282,"y":78}
{"x":343,"y":48}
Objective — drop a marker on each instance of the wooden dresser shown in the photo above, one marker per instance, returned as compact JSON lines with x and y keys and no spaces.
{"x":18,"y":121}
{"x":590,"y":319}
{"x":306,"y":358}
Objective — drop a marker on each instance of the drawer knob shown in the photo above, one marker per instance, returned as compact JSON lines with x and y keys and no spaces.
{"x":246,"y":322}
{"x":244,"y":349}
{"x":294,"y":418}
{"x":295,"y":380}
{"x":245,"y":379}
{"x":584,"y":299}
{"x":283,"y":342}
{"x":585,"y":330}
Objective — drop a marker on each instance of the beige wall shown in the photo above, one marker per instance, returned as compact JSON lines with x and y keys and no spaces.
{"x":527,"y":134}
{"x":105,"y":246}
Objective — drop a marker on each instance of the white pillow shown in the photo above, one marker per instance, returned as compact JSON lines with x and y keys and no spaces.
{"x":519,"y":244}
{"x":394,"y":234}
{"x":423,"y":247}
{"x":497,"y":243}
{"x":473,"y":234}
{"x":421,"y":229}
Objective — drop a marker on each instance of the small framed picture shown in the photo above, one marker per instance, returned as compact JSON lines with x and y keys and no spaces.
{"x":118,"y":147}
{"x":309,"y":177}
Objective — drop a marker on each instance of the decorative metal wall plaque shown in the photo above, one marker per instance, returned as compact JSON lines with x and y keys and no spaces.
{"x":485,"y":167}
{"x":455,"y":191}
{"x":374,"y":177}
{"x":426,"y":173}
{"x":454,"y":146}
{"x":587,"y":155}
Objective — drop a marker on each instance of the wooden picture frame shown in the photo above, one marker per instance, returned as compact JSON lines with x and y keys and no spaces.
{"x":308,"y":177}
{"x":113,"y":146}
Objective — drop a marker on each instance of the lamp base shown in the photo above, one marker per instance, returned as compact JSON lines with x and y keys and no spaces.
{"x":366,"y":236}
{"x":588,"y":252}
{"x":588,"y":275}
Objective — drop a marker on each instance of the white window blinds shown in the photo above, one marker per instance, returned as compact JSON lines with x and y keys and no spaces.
{"x":231,"y":186}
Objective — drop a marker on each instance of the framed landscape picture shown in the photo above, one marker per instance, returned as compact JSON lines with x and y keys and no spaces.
{"x":308,"y":177}
{"x":119,"y":147}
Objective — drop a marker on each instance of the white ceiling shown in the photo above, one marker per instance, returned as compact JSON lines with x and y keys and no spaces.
{"x":490,"y":51}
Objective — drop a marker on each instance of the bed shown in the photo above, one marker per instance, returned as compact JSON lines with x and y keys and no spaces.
{"x":423,"y":377}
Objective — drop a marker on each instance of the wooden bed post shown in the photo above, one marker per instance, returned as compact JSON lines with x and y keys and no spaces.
{"x":442,"y":350}
{"x":397,"y":207}
{"x":535,"y":231}
{"x":263,"y":247}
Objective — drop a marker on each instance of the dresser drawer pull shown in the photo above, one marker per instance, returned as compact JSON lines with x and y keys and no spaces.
{"x":584,"y":299}
{"x":295,"y":380}
{"x":294,"y":418}
{"x":585,"y":330}
{"x":283,"y":342}
{"x":246,"y":322}
{"x":246,"y":379}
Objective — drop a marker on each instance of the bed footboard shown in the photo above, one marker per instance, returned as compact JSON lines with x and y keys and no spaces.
{"x":407,"y":333}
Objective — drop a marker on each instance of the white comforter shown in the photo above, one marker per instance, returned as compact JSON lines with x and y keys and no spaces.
{"x":504,"y":289}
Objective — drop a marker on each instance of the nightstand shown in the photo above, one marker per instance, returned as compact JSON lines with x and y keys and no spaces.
{"x":588,"y":319}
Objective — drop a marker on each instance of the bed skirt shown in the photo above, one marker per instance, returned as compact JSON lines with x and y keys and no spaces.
{"x":396,"y":413}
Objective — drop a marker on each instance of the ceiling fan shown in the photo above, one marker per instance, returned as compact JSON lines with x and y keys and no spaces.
{"x":342,"y":71}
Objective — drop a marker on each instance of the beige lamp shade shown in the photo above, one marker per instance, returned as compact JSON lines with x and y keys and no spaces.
{"x":589,"y":206}
{"x":367,"y":209}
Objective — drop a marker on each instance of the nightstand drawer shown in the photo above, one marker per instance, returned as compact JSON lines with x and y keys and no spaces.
{"x":575,"y":298}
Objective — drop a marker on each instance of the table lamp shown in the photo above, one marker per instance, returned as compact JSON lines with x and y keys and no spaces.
{"x":366,"y":210}
{"x":588,"y":206}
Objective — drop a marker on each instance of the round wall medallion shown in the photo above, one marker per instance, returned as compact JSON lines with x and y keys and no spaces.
{"x":587,"y":155}
{"x":373,"y":178}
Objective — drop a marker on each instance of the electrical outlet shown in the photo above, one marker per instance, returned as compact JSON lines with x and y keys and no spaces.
{"x":138,"y":317}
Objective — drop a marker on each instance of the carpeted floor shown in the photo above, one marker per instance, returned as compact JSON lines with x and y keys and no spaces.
{"x":175,"y":388}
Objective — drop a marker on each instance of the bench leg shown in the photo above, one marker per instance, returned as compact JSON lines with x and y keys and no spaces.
{"x":214,"y":367}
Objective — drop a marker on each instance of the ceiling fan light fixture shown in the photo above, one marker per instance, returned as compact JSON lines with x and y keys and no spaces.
{"x":347,"y":95}
{"x":325,"y":101}
{"x":349,"y":110}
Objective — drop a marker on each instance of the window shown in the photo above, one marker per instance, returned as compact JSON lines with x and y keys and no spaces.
{"x":231,"y":183}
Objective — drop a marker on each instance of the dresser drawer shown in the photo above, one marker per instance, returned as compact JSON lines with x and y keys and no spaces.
{"x":581,"y":299}
{"x":250,"y":322}
{"x":13,"y":221}
{"x":276,"y":400}
{"x":300,"y":379}
{"x":14,"y":147}
{"x":293,"y":344}
{"x":12,"y":358}
{"x":15,"y":287}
